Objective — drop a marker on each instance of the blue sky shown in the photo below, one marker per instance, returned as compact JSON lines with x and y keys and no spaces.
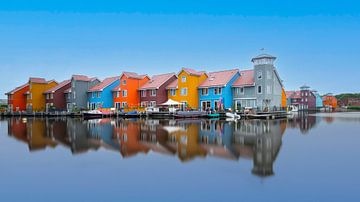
{"x":316,"y":42}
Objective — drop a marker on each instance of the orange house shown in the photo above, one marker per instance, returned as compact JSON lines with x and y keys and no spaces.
{"x":128,"y":136}
{"x":35,"y":98}
{"x":329,"y":101}
{"x":127,"y":95}
{"x":17,"y":98}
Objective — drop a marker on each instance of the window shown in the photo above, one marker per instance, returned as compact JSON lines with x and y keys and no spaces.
{"x":153,"y":93}
{"x":216,"y":105}
{"x":117,"y":105}
{"x":172,"y":92}
{"x":124,"y":104}
{"x":183,"y":92}
{"x":152,"y":103}
{"x":259,"y":90}
{"x":124,"y":82}
{"x":98,"y":94}
{"x":47,"y":96}
{"x":204,"y":91}
{"x":74,"y":93}
{"x":124,"y":93}
{"x":217,"y":91}
{"x":143,"y":93}
{"x":143,"y":104}
{"x":93,"y":94}
{"x":259,"y":75}
{"x":183,"y":79}
{"x":239,"y":91}
{"x":125,"y":137}
{"x":117,"y":94}
{"x":73,"y":84}
{"x":51,"y":96}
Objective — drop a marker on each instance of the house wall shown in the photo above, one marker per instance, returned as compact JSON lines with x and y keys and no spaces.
{"x":161,"y":93}
{"x":37,"y":97}
{"x":192,"y":83}
{"x":269,"y":80}
{"x":80,"y":89}
{"x":106,"y":98}
{"x":59,"y":99}
{"x":226,"y":94}
{"x":133,"y":95}
{"x":18,"y":99}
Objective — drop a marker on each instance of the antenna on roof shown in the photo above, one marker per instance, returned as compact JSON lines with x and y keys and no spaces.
{"x":262,"y":49}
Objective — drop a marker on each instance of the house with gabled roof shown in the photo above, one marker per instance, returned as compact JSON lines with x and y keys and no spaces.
{"x":154,"y":91}
{"x":100,"y":96}
{"x":303,"y":99}
{"x":35,"y":101}
{"x":216,"y":91}
{"x":55,"y":96}
{"x":260,"y":88}
{"x":77,"y":94}
{"x":185,"y":88}
{"x":17,"y":99}
{"x":126,"y":94}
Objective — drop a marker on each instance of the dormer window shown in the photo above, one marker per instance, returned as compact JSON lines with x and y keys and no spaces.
{"x":124,"y":82}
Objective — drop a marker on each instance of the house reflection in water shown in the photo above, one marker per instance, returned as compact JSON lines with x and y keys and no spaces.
{"x":31,"y":131}
{"x":260,"y":140}
{"x":303,"y":121}
{"x":184,"y":139}
{"x":257,"y":140}
{"x":127,"y":133}
{"x":154,"y":137}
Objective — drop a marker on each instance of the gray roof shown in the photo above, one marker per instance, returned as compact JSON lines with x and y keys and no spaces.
{"x":263,"y":56}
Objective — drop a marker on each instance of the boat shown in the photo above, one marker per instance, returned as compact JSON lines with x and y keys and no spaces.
{"x":189,"y":114}
{"x":211,"y":116}
{"x":232,"y":115}
{"x":293,"y":108}
{"x":132,"y":114}
{"x":92,"y":114}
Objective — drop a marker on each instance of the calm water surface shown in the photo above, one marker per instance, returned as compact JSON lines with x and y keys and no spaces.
{"x":308,"y":158}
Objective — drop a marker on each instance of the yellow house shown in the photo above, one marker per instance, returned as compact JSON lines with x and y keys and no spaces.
{"x":185,"y":88}
{"x":35,"y":98}
{"x":186,"y":143}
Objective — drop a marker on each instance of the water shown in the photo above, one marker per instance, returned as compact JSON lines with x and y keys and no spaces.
{"x":308,"y":158}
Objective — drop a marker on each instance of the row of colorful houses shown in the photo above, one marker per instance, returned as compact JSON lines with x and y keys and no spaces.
{"x":260,"y":87}
{"x":307,"y":99}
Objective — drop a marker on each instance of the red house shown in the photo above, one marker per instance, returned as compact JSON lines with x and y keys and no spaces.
{"x":55,"y":97}
{"x":17,"y":98}
{"x":154,"y":91}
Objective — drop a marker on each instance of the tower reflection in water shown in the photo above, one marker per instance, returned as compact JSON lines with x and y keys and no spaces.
{"x":257,"y":140}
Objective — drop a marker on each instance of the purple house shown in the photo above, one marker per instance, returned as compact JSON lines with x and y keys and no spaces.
{"x":154,"y":91}
{"x":304,"y":99}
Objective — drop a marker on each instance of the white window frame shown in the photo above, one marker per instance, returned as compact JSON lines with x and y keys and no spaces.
{"x":261,"y":89}
{"x":124,"y":93}
{"x":124,"y":104}
{"x":183,"y":79}
{"x":206,"y":91}
{"x":153,"y":93}
{"x":172,"y":92}
{"x":143,"y":93}
{"x":217,"y":91}
{"x":186,"y":91}
{"x":124,"y":82}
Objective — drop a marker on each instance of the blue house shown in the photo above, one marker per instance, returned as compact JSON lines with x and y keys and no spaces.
{"x":319,"y":100}
{"x":100,"y":96}
{"x":216,"y":91}
{"x":216,"y":137}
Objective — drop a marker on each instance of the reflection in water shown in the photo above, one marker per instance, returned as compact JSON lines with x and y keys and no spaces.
{"x":257,"y":140}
